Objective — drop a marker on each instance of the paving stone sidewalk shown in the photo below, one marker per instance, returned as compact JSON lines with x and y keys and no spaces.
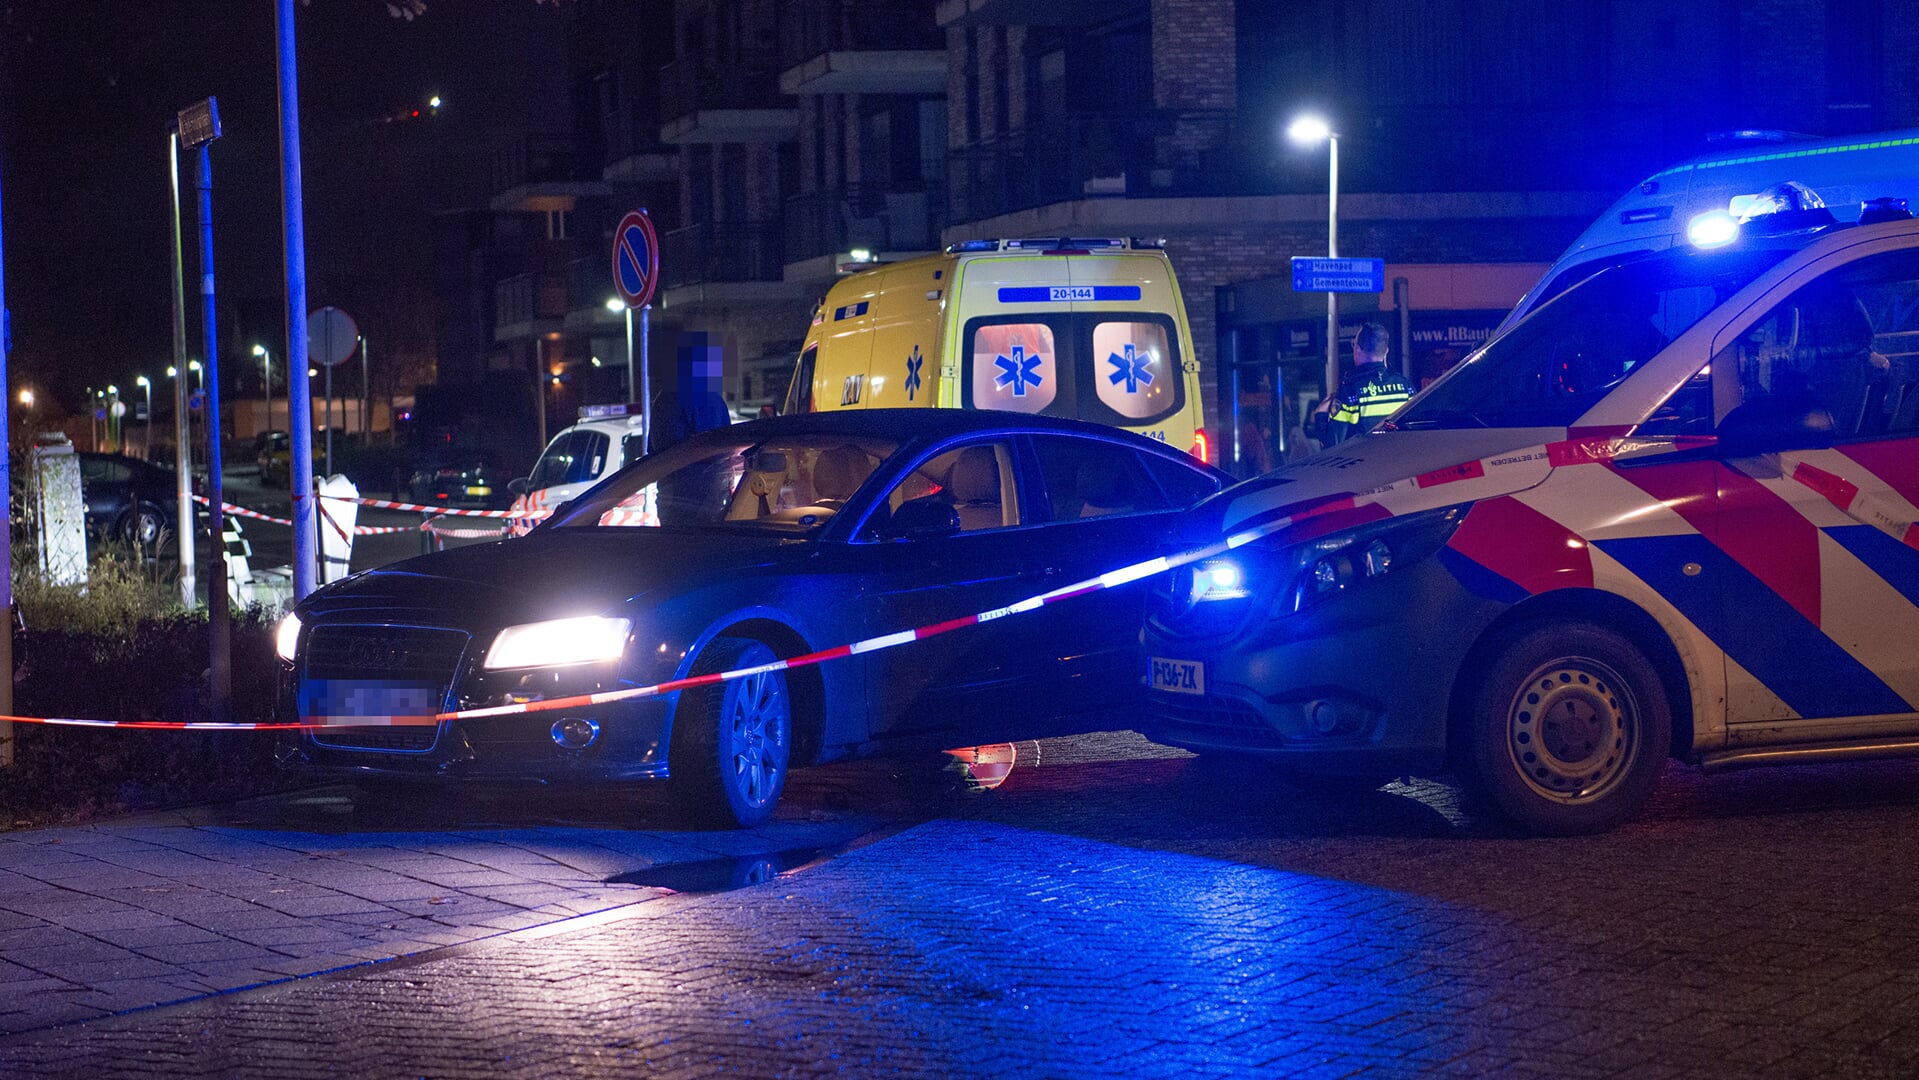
{"x":105,"y":918}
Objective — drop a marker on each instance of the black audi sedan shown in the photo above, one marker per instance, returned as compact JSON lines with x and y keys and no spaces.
{"x":736,"y":547}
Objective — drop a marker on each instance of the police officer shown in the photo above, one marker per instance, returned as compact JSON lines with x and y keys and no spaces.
{"x":1371,"y":393}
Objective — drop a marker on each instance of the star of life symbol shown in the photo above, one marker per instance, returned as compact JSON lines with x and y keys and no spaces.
{"x":1132,"y":369}
{"x":913,"y":363}
{"x":1017,"y":371}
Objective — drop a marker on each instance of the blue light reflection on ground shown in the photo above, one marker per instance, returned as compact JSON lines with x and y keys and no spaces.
{"x":1151,"y":962}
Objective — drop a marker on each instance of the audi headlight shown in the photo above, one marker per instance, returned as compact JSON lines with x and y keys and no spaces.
{"x":559,"y":642}
{"x":287,"y":638}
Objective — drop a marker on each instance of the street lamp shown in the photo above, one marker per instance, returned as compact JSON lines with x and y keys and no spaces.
{"x":266,"y":373}
{"x":199,"y":374}
{"x":115,"y":427}
{"x":1310,"y":130}
{"x":146,"y":447}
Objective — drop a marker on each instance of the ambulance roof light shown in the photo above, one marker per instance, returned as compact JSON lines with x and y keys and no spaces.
{"x":965,"y":246}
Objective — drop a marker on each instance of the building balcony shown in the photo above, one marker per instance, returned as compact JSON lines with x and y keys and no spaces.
{"x":703,"y":100}
{"x":634,"y":153}
{"x":541,"y":173}
{"x":825,"y":225}
{"x":529,"y":306}
{"x":1024,"y":12}
{"x":861,"y":47}
{"x":1082,"y":156}
{"x":724,"y":262}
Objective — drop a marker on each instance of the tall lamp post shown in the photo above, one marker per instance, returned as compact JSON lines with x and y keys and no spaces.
{"x":1310,"y":130}
{"x":146,"y":439}
{"x":266,"y":374}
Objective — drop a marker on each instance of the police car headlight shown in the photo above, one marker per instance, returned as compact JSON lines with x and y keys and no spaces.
{"x":1217,"y":579}
{"x":558,"y":643}
{"x":287,"y":638}
{"x":1344,"y":560}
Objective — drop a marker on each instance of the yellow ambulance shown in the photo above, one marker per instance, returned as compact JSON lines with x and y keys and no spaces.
{"x":1065,"y":326}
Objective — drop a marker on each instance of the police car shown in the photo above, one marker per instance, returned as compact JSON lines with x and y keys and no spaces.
{"x":1669,"y":513}
{"x":606,"y":440}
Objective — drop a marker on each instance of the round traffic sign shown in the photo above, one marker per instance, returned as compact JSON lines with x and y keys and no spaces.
{"x":636,"y":258}
{"x":331,"y":336}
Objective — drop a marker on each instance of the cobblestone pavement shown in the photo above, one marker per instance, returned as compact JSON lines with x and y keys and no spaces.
{"x":1157,"y":916}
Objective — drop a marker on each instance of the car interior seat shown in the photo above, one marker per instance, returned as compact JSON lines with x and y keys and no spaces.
{"x":1103,"y":490}
{"x":838,"y":472}
{"x":974,"y":484}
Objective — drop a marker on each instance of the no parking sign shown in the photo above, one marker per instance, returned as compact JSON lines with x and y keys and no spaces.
{"x":636,"y":258}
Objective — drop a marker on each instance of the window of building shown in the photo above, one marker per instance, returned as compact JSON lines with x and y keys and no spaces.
{"x":559,"y":224}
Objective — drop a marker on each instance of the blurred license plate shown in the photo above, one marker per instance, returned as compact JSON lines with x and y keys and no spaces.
{"x":479,"y":490}
{"x":1177,"y":676}
{"x":370,"y":701}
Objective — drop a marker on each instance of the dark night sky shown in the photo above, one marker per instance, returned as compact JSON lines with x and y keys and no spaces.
{"x":90,"y":86}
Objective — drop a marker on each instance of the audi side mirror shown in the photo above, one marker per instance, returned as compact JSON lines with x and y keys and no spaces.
{"x":924,"y":518}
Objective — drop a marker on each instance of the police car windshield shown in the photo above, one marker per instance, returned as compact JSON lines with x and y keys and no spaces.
{"x":1560,"y":360}
{"x":792,"y":485}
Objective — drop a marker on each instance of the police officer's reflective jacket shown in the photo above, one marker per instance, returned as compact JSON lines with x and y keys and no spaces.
{"x":1370,"y":394}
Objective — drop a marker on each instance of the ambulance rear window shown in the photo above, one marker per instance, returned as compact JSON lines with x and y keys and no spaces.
{"x":1015,"y":367}
{"x":1133,"y":372}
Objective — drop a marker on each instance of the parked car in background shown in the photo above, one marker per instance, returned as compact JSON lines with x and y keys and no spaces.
{"x":276,"y":459}
{"x":732,"y":549}
{"x":461,"y":478}
{"x":127,"y":499}
{"x":265,"y":443}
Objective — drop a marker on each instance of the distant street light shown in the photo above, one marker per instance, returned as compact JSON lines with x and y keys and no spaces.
{"x":615,"y":305}
{"x":266,"y":373}
{"x":199,"y":374}
{"x":1310,"y":130}
{"x":26,"y":397}
{"x":146,"y":441}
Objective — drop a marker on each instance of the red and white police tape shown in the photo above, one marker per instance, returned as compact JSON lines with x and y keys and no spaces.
{"x":358,"y":530}
{"x":1314,"y":518}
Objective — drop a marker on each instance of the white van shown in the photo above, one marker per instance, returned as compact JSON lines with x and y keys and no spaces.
{"x":1766,"y":171}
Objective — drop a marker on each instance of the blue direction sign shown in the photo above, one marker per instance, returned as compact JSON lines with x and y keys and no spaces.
{"x":1338,"y":275}
{"x":636,"y":258}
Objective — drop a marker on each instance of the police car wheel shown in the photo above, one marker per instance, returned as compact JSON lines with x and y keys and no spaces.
{"x":1570,"y":728}
{"x":730,"y":742}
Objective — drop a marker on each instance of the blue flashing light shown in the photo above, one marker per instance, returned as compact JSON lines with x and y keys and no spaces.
{"x":1218,"y":579}
{"x":1714,"y":228}
{"x":972,"y":245}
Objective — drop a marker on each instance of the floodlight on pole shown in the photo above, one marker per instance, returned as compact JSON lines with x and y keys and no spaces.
{"x":1310,"y":130}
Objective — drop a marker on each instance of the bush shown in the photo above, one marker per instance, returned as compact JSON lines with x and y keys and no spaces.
{"x":123,"y":647}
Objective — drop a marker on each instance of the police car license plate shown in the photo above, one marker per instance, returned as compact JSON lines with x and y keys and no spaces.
{"x":1176,"y":676}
